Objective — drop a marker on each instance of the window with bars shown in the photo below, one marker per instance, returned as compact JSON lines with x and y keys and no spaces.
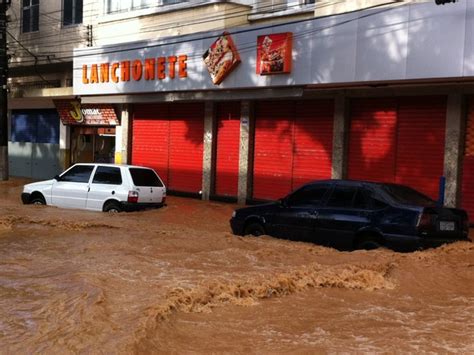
{"x":72,"y":12}
{"x":30,"y":15}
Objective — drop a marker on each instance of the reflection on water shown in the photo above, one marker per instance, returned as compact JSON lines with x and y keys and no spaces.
{"x":176,"y":280}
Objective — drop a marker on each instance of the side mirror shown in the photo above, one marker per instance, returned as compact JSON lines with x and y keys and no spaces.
{"x":57,"y":178}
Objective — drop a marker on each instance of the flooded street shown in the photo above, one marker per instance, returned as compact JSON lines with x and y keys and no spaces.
{"x":176,"y":280}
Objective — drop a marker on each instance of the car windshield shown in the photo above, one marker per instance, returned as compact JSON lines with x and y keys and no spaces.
{"x":144,"y":177}
{"x":407,"y":195}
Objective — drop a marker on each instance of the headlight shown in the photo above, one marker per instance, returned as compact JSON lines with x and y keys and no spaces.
{"x":234,"y":214}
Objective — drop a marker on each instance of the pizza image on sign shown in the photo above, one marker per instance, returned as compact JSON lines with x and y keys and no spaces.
{"x":221,"y":58}
{"x":274,"y":53}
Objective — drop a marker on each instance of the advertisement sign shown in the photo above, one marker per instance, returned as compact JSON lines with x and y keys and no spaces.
{"x":274,"y":53}
{"x":72,"y":112}
{"x":221,"y":58}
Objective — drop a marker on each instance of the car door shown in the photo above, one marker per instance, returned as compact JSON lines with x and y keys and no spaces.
{"x":346,"y":212}
{"x":105,"y":184}
{"x":148,"y":184}
{"x":295,"y":218}
{"x":71,"y":188}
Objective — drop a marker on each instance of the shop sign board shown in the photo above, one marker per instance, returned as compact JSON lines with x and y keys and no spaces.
{"x":274,"y":53}
{"x":221,"y":58}
{"x":73,"y":113}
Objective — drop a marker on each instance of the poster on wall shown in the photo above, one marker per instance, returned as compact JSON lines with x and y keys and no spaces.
{"x":221,"y":58}
{"x":274,"y":53}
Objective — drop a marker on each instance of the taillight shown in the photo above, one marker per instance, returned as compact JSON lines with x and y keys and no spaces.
{"x":132,"y":196}
{"x":424,"y":221}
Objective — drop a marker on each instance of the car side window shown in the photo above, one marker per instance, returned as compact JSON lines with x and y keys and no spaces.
{"x":107,"y":175}
{"x":362,"y":199}
{"x":310,"y":195}
{"x":342,"y":196}
{"x":79,"y":173}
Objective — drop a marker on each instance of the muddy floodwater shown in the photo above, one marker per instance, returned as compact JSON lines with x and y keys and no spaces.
{"x":176,"y":280}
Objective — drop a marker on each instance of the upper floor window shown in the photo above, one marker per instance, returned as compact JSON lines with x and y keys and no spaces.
{"x":114,"y":6}
{"x":30,"y":15}
{"x":72,"y":12}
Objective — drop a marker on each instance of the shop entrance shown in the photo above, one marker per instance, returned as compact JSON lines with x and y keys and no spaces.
{"x":92,"y":145}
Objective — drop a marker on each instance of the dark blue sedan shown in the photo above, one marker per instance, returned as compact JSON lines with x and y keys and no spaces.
{"x":347,"y":215}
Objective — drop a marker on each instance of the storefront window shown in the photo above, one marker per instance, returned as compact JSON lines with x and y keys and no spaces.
{"x":92,"y":145}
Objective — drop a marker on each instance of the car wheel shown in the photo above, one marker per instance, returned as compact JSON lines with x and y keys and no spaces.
{"x":255,"y":229}
{"x":38,"y":201}
{"x":112,"y":207}
{"x":369,"y":243}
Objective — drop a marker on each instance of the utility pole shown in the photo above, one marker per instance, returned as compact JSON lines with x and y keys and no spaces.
{"x":3,"y":91}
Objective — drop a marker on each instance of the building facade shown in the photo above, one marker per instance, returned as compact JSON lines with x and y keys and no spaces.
{"x":246,"y":101}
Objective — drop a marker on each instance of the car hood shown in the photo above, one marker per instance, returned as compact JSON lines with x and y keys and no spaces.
{"x":257,"y":209}
{"x":38,"y":184}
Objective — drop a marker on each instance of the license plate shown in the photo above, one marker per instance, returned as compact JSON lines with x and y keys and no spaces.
{"x":447,"y":226}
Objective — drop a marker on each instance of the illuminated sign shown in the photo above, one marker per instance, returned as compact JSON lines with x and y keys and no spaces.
{"x":274,"y":53}
{"x":72,"y":112}
{"x":221,"y":58}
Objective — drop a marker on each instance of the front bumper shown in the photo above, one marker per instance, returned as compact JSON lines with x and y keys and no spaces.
{"x":25,"y":198}
{"x":410,"y":243}
{"x":237,"y":226}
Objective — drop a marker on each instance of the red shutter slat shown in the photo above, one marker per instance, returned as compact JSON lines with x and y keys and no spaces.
{"x":186,"y":147}
{"x":313,"y":140}
{"x":420,"y":148}
{"x":150,"y":138}
{"x":228,"y":143}
{"x":273,"y":149}
{"x":467,"y":195}
{"x":372,"y":140}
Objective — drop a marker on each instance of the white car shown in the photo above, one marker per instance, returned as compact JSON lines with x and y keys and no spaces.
{"x":99,"y":187}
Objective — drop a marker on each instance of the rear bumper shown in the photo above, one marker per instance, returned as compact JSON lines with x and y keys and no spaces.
{"x":25,"y":198}
{"x":410,"y":243}
{"x":130,"y":207}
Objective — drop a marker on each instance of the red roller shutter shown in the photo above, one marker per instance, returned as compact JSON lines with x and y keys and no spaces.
{"x":186,"y":147}
{"x":313,"y":136}
{"x":150,"y":138}
{"x":273,"y":149}
{"x":420,"y":147}
{"x":467,"y":195}
{"x":372,"y":140}
{"x":228,"y":142}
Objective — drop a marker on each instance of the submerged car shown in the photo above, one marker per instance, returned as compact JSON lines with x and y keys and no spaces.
{"x":99,"y":187}
{"x":348,"y":215}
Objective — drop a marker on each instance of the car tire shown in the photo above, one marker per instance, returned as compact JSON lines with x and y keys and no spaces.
{"x":255,"y":229}
{"x":369,"y":243}
{"x":38,"y":200}
{"x":112,"y":207}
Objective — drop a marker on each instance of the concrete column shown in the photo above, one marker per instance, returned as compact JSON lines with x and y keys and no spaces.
{"x":341,"y":127}
{"x":245,"y":152}
{"x":455,"y":117}
{"x":208,"y":161}
{"x":64,"y":146}
{"x":122,"y":137}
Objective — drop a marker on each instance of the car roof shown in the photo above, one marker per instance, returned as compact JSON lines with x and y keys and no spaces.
{"x":351,"y":182}
{"x":115,"y":165}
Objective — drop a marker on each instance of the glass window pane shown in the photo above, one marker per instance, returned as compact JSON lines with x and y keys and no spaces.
{"x":144,"y":177}
{"x":26,"y":21}
{"x":311,"y":195}
{"x":78,"y":18}
{"x":67,"y":14}
{"x":342,"y":196}
{"x":35,"y":18}
{"x":79,"y":173}
{"x":26,"y":3}
{"x":107,"y":175}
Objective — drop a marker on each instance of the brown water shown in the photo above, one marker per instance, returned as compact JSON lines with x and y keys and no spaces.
{"x":176,"y":280}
